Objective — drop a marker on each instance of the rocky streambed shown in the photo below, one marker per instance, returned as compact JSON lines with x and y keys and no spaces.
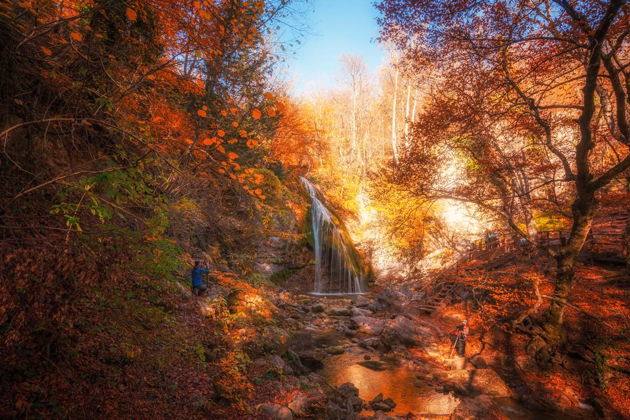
{"x":368,"y":357}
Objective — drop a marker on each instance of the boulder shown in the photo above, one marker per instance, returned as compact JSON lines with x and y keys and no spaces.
{"x":312,"y":360}
{"x":361,"y":312}
{"x":372,"y":342}
{"x":438,"y":404}
{"x":300,"y":404}
{"x":399,"y":330}
{"x":362,"y":301}
{"x":339,"y":311}
{"x":368,"y":325}
{"x":295,"y":363}
{"x":318,"y":308}
{"x":273,"y":363}
{"x":344,"y":403}
{"x":487,"y":381}
{"x":275,"y":411}
{"x":481,"y":407}
{"x":274,"y":340}
{"x":376,"y":365}
{"x":380,"y":404}
{"x":278,"y":364}
{"x":389,"y":300}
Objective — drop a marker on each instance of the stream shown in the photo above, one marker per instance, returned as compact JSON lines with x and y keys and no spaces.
{"x":351,"y":332}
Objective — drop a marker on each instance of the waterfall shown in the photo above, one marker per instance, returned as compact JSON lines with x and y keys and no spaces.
{"x":337,"y":264}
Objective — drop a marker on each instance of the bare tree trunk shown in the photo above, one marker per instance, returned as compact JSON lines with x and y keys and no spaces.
{"x":394,"y":97}
{"x":353,"y":123}
{"x":413,"y":109}
{"x":583,"y":211}
{"x":407,"y":104}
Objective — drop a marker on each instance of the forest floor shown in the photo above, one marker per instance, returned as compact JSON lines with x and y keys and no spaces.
{"x":144,"y":350}
{"x":382,"y":345}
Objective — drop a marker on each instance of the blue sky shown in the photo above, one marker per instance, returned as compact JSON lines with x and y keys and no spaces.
{"x":335,"y":27}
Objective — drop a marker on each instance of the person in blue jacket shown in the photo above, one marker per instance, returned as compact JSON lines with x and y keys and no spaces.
{"x":198,"y":286}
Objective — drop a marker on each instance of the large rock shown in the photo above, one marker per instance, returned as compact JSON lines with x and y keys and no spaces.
{"x":275,"y":412}
{"x":399,"y":330}
{"x":481,"y":407}
{"x":344,"y":403}
{"x":389,"y":300}
{"x":303,"y":405}
{"x":487,"y":381}
{"x":362,"y":301}
{"x":376,"y":365}
{"x":274,"y":340}
{"x":368,"y":325}
{"x":312,"y":360}
{"x":273,"y":363}
{"x":338,"y":311}
{"x":381,"y":404}
{"x":370,"y":342}
{"x":361,"y":312}
{"x":438,"y":404}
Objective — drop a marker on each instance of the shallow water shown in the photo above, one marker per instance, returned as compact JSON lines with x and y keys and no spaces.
{"x":399,"y":382}
{"x":396,"y":382}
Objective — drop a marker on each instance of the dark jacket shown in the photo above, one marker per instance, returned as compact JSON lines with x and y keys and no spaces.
{"x":197,"y":275}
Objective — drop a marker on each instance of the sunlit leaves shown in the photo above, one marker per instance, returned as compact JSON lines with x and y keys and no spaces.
{"x":131,"y":14}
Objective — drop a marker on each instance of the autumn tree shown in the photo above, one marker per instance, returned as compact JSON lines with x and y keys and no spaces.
{"x":556,"y":69}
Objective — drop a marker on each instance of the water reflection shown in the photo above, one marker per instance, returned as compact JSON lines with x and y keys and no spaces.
{"x":397,"y":382}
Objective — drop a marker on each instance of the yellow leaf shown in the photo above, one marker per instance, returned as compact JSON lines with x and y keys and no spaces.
{"x":131,"y":14}
{"x":46,"y":51}
{"x":256,"y":114}
{"x":232,"y":155}
{"x":234,"y":124}
{"x":76,"y":36}
{"x":220,"y":133}
{"x":201,"y":113}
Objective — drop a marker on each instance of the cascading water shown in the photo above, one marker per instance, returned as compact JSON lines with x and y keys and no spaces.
{"x":337,"y":264}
